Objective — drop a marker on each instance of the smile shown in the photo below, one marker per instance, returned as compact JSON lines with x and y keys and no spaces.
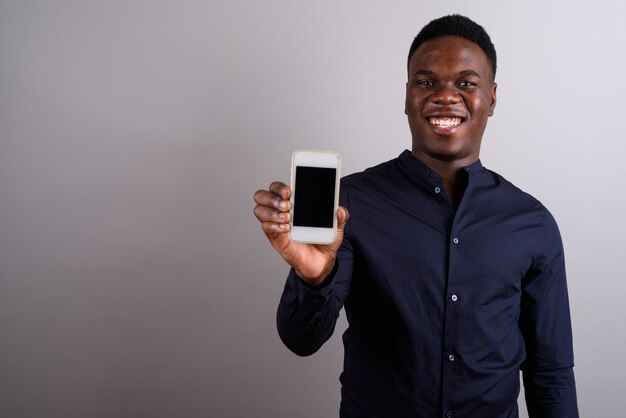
{"x":445,"y":122}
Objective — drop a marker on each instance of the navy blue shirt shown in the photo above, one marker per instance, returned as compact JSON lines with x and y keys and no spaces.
{"x":444,"y":306}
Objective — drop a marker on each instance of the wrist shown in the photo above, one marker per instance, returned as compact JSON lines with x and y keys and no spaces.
{"x":318,"y":281}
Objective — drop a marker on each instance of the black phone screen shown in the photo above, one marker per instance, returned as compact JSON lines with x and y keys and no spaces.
{"x":314,"y":204}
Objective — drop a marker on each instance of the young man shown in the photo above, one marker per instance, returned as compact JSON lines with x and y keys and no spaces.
{"x":453,"y":280}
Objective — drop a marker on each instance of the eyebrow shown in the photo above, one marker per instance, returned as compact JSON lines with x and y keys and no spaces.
{"x":428,"y":73}
{"x":470,"y":73}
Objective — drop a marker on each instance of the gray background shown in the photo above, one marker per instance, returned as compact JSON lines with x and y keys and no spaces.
{"x":134,"y":279}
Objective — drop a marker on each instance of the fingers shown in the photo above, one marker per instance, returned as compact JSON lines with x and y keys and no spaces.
{"x":276,"y":197}
{"x":281,"y":189}
{"x":271,"y":228}
{"x":272,"y":208}
{"x":272,"y":220}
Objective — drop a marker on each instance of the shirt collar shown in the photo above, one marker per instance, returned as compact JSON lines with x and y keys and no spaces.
{"x":412,"y":164}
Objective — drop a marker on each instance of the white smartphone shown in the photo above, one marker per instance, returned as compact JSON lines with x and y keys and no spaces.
{"x":314,"y":196}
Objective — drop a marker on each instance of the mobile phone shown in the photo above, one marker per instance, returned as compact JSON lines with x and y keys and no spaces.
{"x":314,"y":196}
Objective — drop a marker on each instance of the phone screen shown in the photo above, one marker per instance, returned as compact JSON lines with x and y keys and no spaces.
{"x":314,"y":197}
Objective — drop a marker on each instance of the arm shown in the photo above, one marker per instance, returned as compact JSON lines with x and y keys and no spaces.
{"x":307,"y":315}
{"x":545,"y":322}
{"x":320,"y":274}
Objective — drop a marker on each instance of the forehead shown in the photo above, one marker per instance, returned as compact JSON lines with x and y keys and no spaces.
{"x":450,"y":54}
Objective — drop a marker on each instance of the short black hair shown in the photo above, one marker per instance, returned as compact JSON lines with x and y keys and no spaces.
{"x":456,"y":25}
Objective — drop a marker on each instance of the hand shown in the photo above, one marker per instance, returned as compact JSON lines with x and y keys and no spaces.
{"x":312,"y":262}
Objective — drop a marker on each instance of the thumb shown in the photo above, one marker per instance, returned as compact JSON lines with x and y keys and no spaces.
{"x":342,"y":217}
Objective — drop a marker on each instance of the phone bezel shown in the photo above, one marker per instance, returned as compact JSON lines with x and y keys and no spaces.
{"x":322,"y":159}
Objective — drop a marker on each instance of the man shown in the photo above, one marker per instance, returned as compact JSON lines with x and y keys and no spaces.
{"x":453,"y":280}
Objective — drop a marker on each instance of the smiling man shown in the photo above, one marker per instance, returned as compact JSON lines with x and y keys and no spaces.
{"x":452,"y":279}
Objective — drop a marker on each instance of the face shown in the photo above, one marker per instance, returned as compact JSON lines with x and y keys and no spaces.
{"x":449,"y":96}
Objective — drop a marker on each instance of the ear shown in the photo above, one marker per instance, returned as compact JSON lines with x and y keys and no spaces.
{"x":492,"y":104}
{"x":406,"y":97}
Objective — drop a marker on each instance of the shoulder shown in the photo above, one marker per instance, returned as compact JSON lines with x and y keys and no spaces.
{"x":374,"y":176}
{"x":518,"y":200}
{"x":514,"y":195}
{"x":374,"y":186}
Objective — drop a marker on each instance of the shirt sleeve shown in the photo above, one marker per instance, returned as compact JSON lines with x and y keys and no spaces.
{"x":548,"y":375}
{"x":307,"y":315}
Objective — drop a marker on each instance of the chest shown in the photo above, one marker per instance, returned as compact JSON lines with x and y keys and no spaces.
{"x":421,"y":247}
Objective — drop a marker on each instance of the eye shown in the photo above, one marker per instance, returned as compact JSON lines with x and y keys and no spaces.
{"x":466,"y":83}
{"x":424,"y":83}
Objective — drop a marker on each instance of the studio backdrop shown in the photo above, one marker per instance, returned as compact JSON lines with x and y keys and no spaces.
{"x":135,"y":280}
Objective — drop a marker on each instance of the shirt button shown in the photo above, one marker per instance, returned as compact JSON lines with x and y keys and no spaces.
{"x":455,"y":240}
{"x":454,"y":298}
{"x":437,"y":190}
{"x":451,"y":357}
{"x":449,"y":414}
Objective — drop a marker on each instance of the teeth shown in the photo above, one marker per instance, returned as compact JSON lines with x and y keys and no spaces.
{"x":445,"y":122}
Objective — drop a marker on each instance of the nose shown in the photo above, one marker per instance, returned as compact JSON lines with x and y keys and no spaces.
{"x":445,"y":95}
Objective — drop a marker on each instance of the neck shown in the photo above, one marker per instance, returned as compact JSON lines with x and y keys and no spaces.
{"x":452,"y":173}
